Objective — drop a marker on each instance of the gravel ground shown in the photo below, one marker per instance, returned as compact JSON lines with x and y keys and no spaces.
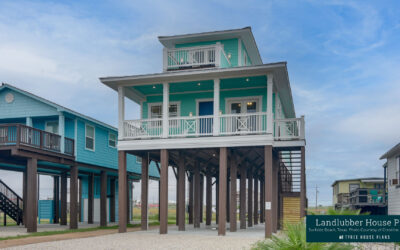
{"x":190,"y":239}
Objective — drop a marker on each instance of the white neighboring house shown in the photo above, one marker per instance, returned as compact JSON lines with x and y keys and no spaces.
{"x":392,"y":167}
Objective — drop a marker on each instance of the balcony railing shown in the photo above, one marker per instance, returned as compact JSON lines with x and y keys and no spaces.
{"x":287,"y":129}
{"x":19,"y":134}
{"x":192,"y":57}
{"x":367,"y":196}
{"x":197,"y":126}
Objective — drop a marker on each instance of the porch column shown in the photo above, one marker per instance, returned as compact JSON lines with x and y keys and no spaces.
{"x":201,"y":198}
{"x":63,"y":199}
{"x":227,"y":198}
{"x":103,"y":199}
{"x":269,"y":104}
{"x":222,"y":191}
{"x":165,"y":110}
{"x":181,"y":193}
{"x":208,"y":199}
{"x":145,"y":193}
{"x":268,"y":190}
{"x":250,"y":198}
{"x":262,"y":201}
{"x":177,"y":197}
{"x":303,"y":183}
{"x":197,"y":195}
{"x":128,"y":200}
{"x":255,"y":199}
{"x":90,"y":198}
{"x":121,"y":111}
{"x":32,"y":202}
{"x":73,"y":198}
{"x":56,"y":198}
{"x":80,"y":199}
{"x":24,"y":195}
{"x":164,"y":192}
{"x":28,"y":121}
{"x":243,"y":177}
{"x":217,"y":200}
{"x":275,"y":165}
{"x":216,"y":107}
{"x":122,"y":190}
{"x":61,"y":131}
{"x":191,"y":201}
{"x":112,"y":200}
{"x":233,"y":215}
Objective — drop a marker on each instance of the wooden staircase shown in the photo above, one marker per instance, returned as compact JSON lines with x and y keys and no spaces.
{"x":10,"y":203}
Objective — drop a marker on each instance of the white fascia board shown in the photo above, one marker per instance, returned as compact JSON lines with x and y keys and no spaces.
{"x":206,"y":142}
{"x":197,"y":74}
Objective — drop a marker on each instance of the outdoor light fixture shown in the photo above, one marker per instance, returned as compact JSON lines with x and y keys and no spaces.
{"x":220,"y":112}
{"x":249,"y":103}
{"x":198,"y":84}
{"x":229,"y":56}
{"x":190,"y":114}
{"x":213,"y":155}
{"x":154,"y":86}
{"x":247,"y":80}
{"x":182,"y":60}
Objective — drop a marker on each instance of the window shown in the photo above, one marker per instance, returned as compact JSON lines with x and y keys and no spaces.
{"x":138,"y":160}
{"x":112,"y":140}
{"x":52,"y":127}
{"x":353,"y":187}
{"x":89,"y":137}
{"x":155,"y":112}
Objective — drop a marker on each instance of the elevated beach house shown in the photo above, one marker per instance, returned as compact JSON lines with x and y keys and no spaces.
{"x":216,"y":111}
{"x":38,"y":136}
{"x":392,"y":176}
{"x":366,"y":194}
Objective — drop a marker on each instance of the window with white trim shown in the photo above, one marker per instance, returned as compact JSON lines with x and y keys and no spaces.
{"x":89,"y":137}
{"x":112,"y":140}
{"x":138,"y":160}
{"x":155,"y":112}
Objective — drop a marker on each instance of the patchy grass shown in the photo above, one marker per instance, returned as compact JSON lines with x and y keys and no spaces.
{"x":80,"y":230}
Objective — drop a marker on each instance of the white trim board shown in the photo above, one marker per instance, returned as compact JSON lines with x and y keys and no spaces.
{"x":207,"y":142}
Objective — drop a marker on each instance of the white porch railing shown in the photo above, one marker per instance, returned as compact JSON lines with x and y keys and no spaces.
{"x":230,"y":124}
{"x":288,"y":129}
{"x":141,"y":129}
{"x":192,"y":57}
{"x":249,"y":123}
{"x":191,"y":126}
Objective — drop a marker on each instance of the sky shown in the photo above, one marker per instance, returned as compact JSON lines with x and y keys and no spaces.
{"x":343,"y":61}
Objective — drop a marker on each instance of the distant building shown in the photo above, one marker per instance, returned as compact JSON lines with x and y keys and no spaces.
{"x":367,"y":194}
{"x":392,"y":174}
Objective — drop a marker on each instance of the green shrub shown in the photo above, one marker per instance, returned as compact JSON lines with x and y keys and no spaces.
{"x":295,"y":238}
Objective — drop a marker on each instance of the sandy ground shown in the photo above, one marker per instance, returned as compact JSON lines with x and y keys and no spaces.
{"x":204,"y":238}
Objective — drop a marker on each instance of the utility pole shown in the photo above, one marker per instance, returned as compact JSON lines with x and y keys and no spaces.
{"x":316,"y":196}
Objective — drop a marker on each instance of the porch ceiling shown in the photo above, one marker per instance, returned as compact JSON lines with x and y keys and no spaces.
{"x":279,"y":71}
{"x":208,"y":158}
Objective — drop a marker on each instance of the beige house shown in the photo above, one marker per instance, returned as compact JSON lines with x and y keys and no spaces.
{"x":367,"y":194}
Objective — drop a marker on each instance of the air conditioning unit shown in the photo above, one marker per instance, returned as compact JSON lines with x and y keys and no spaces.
{"x":394,"y":182}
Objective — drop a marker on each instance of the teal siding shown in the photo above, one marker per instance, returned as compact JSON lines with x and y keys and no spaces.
{"x":229,"y":88}
{"x":244,"y":52}
{"x":23,"y":106}
{"x":103,"y":155}
{"x":70,"y":128}
{"x":230,"y":46}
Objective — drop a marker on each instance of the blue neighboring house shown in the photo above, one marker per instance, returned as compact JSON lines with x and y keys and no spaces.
{"x":59,"y":140}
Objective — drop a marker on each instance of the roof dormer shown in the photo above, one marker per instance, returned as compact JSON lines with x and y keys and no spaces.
{"x":218,"y":49}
